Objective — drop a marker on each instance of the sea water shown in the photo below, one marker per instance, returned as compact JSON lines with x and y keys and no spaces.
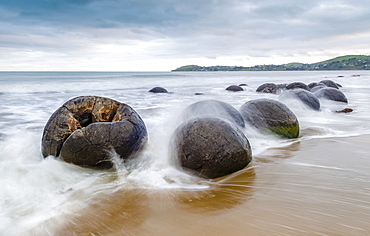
{"x":35,"y":190}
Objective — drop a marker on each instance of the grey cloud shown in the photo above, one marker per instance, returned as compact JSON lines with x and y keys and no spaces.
{"x":192,"y":28}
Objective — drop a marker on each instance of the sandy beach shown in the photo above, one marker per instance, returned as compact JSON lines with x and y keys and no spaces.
{"x":312,"y":187}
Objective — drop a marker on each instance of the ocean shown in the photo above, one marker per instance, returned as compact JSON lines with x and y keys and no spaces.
{"x":46,"y":196}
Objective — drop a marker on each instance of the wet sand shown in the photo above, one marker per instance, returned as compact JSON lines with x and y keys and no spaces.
{"x":313,"y":187}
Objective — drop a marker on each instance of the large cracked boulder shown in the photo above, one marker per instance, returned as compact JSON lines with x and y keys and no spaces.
{"x":214,"y":108}
{"x":89,"y":131}
{"x":306,"y":97}
{"x":210,"y":147}
{"x":270,"y":116}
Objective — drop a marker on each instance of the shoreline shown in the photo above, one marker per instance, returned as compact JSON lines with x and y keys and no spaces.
{"x":317,"y":186}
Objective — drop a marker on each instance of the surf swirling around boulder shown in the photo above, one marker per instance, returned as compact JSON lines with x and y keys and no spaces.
{"x":333,"y":94}
{"x":270,"y":116}
{"x":89,"y":130}
{"x":210,"y":147}
{"x":306,"y":97}
{"x":214,"y":108}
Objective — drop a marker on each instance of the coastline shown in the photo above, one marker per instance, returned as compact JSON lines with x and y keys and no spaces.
{"x":317,"y":186}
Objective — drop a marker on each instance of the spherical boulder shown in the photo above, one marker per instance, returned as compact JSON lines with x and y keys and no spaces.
{"x":295,"y":85}
{"x":317,"y":87}
{"x":158,"y":90}
{"x":214,"y":108}
{"x":306,"y":97}
{"x":210,"y":147}
{"x":313,"y":84}
{"x":331,"y":94}
{"x":270,"y":116}
{"x":234,"y":88}
{"x":89,"y":131}
{"x":329,"y":83}
{"x":267,"y":88}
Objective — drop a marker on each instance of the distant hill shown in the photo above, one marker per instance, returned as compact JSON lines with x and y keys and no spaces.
{"x":349,"y":62}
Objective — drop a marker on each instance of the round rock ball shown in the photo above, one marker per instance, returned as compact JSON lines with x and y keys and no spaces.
{"x":89,"y":130}
{"x":271,"y":116}
{"x":210,"y":147}
{"x":317,"y":87}
{"x":214,"y":108}
{"x":313,"y":84}
{"x":296,"y":85}
{"x":267,"y":88}
{"x":306,"y":97}
{"x":329,"y":83}
{"x":158,"y":90}
{"x":331,"y":94}
{"x":234,"y":88}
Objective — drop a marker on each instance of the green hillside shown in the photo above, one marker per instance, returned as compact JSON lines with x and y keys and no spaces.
{"x":348,"y":62}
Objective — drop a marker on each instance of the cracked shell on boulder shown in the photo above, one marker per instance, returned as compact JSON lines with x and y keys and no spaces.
{"x":89,"y":130}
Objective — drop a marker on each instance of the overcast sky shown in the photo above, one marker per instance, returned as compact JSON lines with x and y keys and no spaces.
{"x":160,"y":35}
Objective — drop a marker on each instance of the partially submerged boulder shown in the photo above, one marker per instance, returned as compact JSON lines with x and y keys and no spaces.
{"x":267,"y":88}
{"x":306,"y":97}
{"x":317,"y":87}
{"x":234,"y":88}
{"x":214,"y":108}
{"x":312,"y":85}
{"x":158,"y":90}
{"x":271,"y":116}
{"x":210,"y":147}
{"x":345,"y":110}
{"x":331,"y":94}
{"x":89,"y":130}
{"x":329,"y":83}
{"x":296,"y":85}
